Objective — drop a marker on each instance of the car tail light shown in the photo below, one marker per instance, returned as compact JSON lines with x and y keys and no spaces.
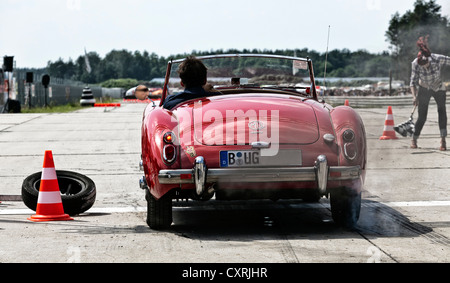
{"x":350,"y":151}
{"x":169,"y":138}
{"x":348,"y":136}
{"x":350,"y":148}
{"x":169,"y":153}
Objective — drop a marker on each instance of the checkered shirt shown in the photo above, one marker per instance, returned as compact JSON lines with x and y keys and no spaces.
{"x":430,"y":77}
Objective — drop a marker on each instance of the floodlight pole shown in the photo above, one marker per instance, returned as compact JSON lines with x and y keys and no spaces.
{"x":29,"y":95}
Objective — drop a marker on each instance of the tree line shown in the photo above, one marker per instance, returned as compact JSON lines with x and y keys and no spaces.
{"x":124,"y":64}
{"x":404,"y":30}
{"x":402,"y":34}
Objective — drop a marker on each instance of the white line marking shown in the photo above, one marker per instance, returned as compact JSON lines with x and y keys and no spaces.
{"x":418,"y":203}
{"x":133,"y":209}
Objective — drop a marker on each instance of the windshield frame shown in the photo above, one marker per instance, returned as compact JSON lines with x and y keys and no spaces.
{"x":307,"y":60}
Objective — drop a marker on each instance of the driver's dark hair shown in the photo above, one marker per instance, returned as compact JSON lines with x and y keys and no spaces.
{"x":192,"y":72}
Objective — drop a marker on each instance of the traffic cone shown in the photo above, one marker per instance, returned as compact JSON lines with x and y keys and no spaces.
{"x":389,"y":132}
{"x":49,"y":205}
{"x":346,"y":103}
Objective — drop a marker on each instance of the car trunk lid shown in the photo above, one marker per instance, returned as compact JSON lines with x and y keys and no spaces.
{"x":245,"y":120}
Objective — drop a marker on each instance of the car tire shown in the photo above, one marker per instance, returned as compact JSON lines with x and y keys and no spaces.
{"x":78,"y":192}
{"x":345,"y":207}
{"x":159,"y":212}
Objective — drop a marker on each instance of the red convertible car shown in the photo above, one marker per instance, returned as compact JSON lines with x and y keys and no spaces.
{"x":264,"y":134}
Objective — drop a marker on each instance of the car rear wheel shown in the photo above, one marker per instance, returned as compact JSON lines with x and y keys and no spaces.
{"x":345,"y":207}
{"x":159,"y":212}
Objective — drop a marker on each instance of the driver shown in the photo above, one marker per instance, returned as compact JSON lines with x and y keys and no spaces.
{"x":193,"y":75}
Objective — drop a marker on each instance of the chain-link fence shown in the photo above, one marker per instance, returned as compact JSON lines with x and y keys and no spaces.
{"x":59,"y":91}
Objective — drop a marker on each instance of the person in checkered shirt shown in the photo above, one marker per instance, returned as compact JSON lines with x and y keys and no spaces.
{"x":426,"y":82}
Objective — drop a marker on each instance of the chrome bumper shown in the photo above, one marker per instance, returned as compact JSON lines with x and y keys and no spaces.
{"x":200,"y":174}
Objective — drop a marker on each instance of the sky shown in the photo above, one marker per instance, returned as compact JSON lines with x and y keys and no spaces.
{"x":38,"y":31}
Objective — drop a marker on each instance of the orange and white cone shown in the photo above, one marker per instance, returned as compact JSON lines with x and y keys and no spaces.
{"x":49,"y":204}
{"x":389,"y":132}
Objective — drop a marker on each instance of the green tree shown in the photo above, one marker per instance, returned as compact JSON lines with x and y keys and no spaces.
{"x":82,"y":73}
{"x":143,"y":67}
{"x":404,"y":31}
{"x":60,"y":69}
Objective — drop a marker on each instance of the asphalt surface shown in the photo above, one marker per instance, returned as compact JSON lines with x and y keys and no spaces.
{"x":405,"y":211}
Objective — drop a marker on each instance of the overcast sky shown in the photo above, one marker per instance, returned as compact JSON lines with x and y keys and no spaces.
{"x":36,"y":31}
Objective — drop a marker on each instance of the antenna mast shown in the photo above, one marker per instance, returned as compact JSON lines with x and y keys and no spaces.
{"x":326,"y":59}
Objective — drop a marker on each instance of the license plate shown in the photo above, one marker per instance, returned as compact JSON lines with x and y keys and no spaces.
{"x":253,"y":158}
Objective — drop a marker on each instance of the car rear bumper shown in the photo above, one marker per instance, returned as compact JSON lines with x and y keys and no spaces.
{"x":200,"y":175}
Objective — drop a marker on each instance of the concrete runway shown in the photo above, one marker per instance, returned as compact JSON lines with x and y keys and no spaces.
{"x":405,"y":213}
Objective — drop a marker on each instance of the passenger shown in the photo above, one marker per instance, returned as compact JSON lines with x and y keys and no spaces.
{"x":193,"y":74}
{"x":426,"y":82}
{"x":141,"y":92}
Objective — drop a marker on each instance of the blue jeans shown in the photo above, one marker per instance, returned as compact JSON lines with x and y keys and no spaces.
{"x":423,"y":98}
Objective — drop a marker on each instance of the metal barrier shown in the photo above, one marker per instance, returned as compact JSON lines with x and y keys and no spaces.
{"x":373,"y":101}
{"x":62,"y":91}
{"x":59,"y":92}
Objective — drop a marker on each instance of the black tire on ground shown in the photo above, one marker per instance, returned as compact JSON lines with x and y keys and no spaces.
{"x":78,"y":191}
{"x":345,"y":207}
{"x":159,"y":212}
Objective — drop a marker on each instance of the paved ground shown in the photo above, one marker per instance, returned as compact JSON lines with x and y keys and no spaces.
{"x":405,"y":212}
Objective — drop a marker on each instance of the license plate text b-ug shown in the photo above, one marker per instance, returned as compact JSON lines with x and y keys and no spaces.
{"x":239,"y":158}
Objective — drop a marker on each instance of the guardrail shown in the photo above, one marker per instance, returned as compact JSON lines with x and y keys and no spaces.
{"x":373,"y":101}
